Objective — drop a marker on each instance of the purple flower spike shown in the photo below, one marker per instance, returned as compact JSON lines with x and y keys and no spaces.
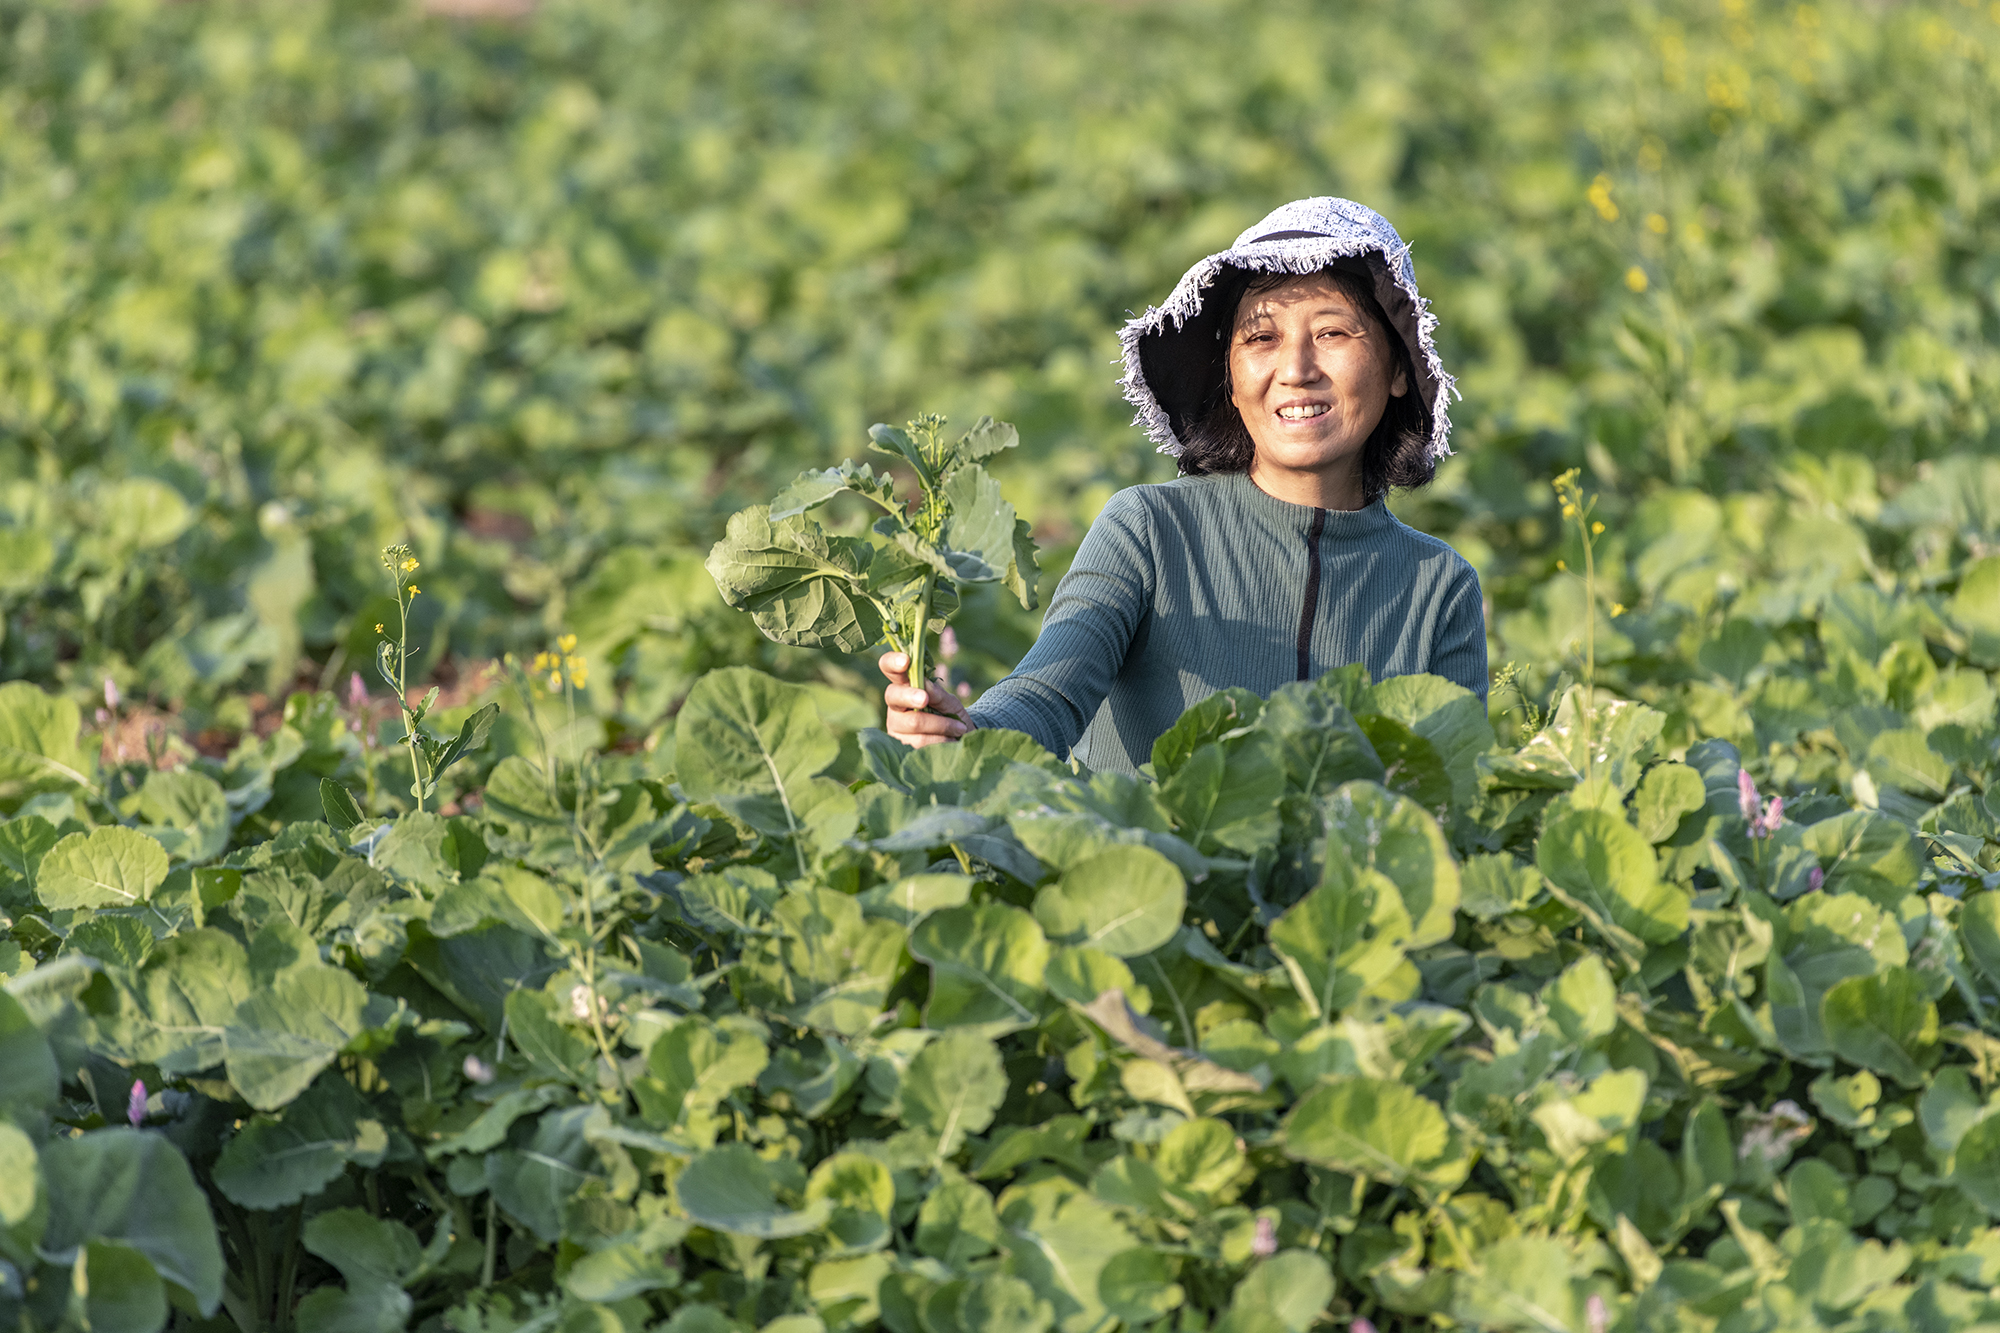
{"x":111,"y":695}
{"x":1815,"y":880}
{"x":1265,"y":1243}
{"x":1596,"y":1317}
{"x":947,"y":644}
{"x":1746,"y":794}
{"x":357,"y":691}
{"x":1361,"y":1326}
{"x":135,"y":1105}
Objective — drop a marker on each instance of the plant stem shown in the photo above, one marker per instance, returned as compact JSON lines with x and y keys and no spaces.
{"x":1589,"y":637}
{"x":491,"y":1261}
{"x":403,"y":688}
{"x":920,"y":637}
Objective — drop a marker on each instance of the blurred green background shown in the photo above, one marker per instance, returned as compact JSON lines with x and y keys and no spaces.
{"x":549,"y":290}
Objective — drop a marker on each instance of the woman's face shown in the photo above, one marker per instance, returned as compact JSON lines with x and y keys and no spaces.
{"x":1311,"y":374}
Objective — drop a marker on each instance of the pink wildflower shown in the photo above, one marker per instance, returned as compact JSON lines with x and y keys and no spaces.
{"x":478,"y":1070}
{"x":1265,"y":1243}
{"x":135,"y":1105}
{"x":1595,"y":1316}
{"x":111,"y":696}
{"x":1746,"y":794}
{"x":1361,"y":1326}
{"x":1815,"y":879}
{"x":947,"y":644}
{"x":357,"y":691}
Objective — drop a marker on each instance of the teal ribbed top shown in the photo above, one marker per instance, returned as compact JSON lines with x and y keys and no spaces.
{"x":1202,"y":583}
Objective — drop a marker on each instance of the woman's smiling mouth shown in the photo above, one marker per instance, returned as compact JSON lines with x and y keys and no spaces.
{"x":1304,"y":411}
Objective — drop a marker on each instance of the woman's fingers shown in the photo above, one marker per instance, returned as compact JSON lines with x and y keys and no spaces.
{"x":919,"y":716}
{"x":907,"y":696}
{"x":943,"y":700}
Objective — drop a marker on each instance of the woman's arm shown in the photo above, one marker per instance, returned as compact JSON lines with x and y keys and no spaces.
{"x":1460,"y":651}
{"x":1097,"y":609}
{"x":1091,"y":621}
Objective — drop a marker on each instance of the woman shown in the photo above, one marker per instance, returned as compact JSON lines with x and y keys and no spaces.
{"x":1294,"y":378}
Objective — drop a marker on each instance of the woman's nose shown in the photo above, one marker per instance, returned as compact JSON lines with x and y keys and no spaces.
{"x":1298,"y":365}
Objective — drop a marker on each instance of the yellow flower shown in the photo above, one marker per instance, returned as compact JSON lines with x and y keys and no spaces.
{"x":1569,"y":511}
{"x":1596,"y":528}
{"x":555,"y":680}
{"x":567,"y":643}
{"x":543,"y":661}
{"x":409,"y":564}
{"x":1561,"y":565}
{"x":579,"y":677}
{"x":573,"y":663}
{"x":1656,"y":224}
{"x":1618,"y":608}
{"x":1635,"y":278}
{"x":378,"y":627}
{"x":414,"y":590}
{"x":1600,"y":199}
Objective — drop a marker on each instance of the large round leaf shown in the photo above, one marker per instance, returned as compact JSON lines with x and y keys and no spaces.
{"x":1976,"y":1164}
{"x":1368,"y":1126}
{"x":731,"y":1188}
{"x":107,"y":867}
{"x":1124,"y":900}
{"x":952,"y":1088}
{"x":753,"y":745}
{"x":1882,"y":1022}
{"x":1369,"y":827}
{"x":1292,"y":1287}
{"x":1605,"y":865}
{"x":38,"y":739}
{"x":28,"y":1074}
{"x":123,"y":1293}
{"x":134,"y":1189}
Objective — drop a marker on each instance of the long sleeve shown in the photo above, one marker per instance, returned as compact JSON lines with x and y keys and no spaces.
{"x":1460,"y":651}
{"x":1099,"y":608}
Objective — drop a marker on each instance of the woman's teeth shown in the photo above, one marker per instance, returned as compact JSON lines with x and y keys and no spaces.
{"x":1302,"y":413}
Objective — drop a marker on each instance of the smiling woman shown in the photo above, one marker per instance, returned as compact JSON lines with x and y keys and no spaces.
{"x":1294,"y":378}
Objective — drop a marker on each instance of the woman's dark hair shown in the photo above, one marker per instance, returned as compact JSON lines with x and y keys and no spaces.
{"x":1397,"y":452}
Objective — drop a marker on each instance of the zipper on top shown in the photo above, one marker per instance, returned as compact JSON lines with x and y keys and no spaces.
{"x":1310,"y":610}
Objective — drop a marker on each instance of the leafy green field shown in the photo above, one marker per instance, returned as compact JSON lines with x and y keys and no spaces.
{"x":682,"y":1000}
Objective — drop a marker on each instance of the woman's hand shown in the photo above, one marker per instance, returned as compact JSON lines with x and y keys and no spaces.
{"x":908,"y":722}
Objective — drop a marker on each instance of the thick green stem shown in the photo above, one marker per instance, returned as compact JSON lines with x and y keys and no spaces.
{"x":920,"y":636}
{"x":492,"y":1259}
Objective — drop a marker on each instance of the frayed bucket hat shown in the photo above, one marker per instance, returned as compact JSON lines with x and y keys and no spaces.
{"x":1175,"y":354}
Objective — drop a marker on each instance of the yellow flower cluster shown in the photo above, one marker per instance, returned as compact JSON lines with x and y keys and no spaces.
{"x":1600,"y":199}
{"x":409,"y":564}
{"x":564,"y":659}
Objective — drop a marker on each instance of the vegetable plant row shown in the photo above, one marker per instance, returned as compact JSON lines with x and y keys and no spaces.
{"x":1348,"y":1009}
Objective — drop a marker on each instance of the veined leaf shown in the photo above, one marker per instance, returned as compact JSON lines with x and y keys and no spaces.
{"x":108,"y":867}
{"x":986,"y":965}
{"x":753,"y":745}
{"x":730,"y":1188}
{"x":1126,"y":901}
{"x":133,"y":1189}
{"x":978,"y":538}
{"x":1602,"y":862}
{"x":273,"y":1162}
{"x":814,"y":488}
{"x":799,"y":584}
{"x":1368,"y":1126}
